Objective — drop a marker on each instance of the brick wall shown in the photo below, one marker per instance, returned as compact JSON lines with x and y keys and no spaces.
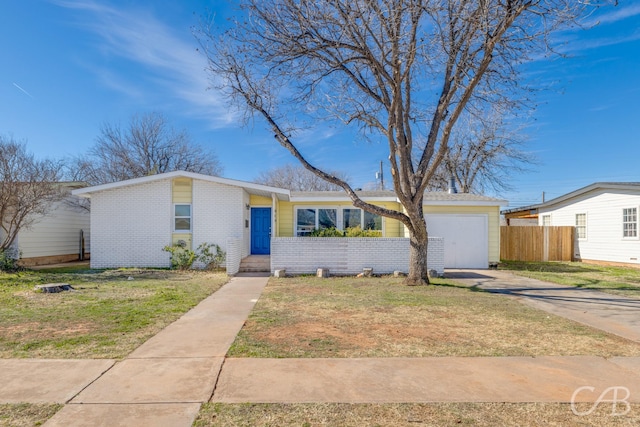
{"x":349,"y":255}
{"x":218,"y":213}
{"x":130,"y":226}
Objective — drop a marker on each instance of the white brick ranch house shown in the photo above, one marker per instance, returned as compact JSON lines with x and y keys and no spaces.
{"x":131,"y":221}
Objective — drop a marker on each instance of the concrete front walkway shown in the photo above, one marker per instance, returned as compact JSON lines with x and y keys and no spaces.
{"x":610,"y":313}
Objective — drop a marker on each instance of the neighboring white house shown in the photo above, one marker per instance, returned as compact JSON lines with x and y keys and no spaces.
{"x":131,"y":221}
{"x":58,"y":236}
{"x":605,"y":215}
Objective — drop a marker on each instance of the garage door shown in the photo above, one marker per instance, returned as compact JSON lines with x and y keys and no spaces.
{"x":466,"y":239}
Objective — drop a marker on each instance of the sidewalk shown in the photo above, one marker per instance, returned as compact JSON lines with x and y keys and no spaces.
{"x":164,"y":381}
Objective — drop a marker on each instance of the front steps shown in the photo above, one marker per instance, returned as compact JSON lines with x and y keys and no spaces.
{"x":256,"y":264}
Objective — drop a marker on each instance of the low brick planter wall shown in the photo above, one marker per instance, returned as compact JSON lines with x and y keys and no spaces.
{"x":347,"y":255}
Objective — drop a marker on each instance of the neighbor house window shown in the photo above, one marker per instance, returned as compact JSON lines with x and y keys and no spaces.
{"x":546,"y":220}
{"x":630,"y":222}
{"x":581,"y":226}
{"x":371,"y":221}
{"x":309,"y":219}
{"x":182,"y":218}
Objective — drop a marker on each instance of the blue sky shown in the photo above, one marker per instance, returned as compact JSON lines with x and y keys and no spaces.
{"x":70,"y":66}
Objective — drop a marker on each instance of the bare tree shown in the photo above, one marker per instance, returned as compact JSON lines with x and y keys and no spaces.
{"x":297,"y":178}
{"x":28,"y":189}
{"x":148,"y":146}
{"x":483,"y":154}
{"x":405,"y":70}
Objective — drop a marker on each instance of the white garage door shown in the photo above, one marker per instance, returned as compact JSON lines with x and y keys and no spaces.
{"x":466,"y":239}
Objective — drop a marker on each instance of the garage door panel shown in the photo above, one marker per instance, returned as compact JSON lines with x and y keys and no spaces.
{"x":466,"y":239}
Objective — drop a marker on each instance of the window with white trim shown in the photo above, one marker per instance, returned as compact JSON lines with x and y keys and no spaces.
{"x":581,"y":226}
{"x":354,"y":217}
{"x":309,"y":219}
{"x":182,"y":218}
{"x":630,"y":222}
{"x":546,"y":220}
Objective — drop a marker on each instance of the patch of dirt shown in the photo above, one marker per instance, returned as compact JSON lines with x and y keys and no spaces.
{"x":39,"y":330}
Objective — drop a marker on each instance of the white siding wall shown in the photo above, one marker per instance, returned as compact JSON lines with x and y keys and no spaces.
{"x":57,"y":233}
{"x":218,"y":213}
{"x":130,"y":226}
{"x":604,"y":240}
{"x":303,"y":255}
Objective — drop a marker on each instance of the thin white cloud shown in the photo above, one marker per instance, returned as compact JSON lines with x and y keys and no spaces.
{"x":23,"y":91}
{"x":617,"y":14}
{"x":170,"y":58}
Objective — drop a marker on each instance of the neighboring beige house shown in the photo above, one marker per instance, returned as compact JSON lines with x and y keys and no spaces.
{"x":131,"y":221}
{"x":58,"y":236}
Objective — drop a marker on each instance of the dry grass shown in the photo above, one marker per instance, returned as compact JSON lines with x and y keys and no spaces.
{"x":380,"y":317}
{"x":26,"y":415}
{"x":110,"y":314}
{"x":394,"y":415}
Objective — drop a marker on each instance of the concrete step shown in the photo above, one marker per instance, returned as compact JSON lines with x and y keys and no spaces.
{"x":255,"y":264}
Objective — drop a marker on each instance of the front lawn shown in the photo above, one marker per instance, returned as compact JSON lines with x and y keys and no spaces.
{"x":616,"y":280}
{"x":381,"y":317}
{"x":412,"y":414}
{"x":110,"y":313}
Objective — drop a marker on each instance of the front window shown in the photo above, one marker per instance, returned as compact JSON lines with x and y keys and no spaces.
{"x":182,"y":218}
{"x":352,"y":218}
{"x":630,"y":222}
{"x":546,"y":220}
{"x":372,"y":221}
{"x":310,"y":219}
{"x":581,"y":226}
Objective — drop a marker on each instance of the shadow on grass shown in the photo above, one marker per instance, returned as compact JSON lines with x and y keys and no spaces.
{"x":545,"y":267}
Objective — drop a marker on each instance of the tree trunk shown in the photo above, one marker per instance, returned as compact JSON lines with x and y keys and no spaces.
{"x":418,"y":241}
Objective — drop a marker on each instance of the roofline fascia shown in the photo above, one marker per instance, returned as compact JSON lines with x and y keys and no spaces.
{"x":86,"y":192}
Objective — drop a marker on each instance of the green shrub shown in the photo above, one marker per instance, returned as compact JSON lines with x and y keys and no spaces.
{"x":9,"y":260}
{"x":359,"y":232}
{"x":349,"y":232}
{"x":210,"y":254}
{"x":181,"y":257}
{"x":326,"y":232}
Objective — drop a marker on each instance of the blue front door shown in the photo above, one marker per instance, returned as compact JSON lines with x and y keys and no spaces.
{"x":260,"y":231}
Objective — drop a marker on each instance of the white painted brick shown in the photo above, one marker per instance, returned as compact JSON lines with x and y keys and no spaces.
{"x":130,"y":226}
{"x":349,"y":255}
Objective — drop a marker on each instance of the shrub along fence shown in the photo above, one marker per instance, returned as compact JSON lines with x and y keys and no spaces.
{"x":537,"y":243}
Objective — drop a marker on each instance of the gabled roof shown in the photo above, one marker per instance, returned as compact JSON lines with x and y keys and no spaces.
{"x":430,"y":198}
{"x":251,"y":188}
{"x":633,"y":186}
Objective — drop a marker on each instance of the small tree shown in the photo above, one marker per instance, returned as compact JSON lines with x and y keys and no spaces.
{"x":297,"y":178}
{"x":28,"y":190}
{"x":148,"y":146}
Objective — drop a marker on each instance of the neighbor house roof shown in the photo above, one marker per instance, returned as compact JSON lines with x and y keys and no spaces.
{"x":615,"y":186}
{"x":251,"y":188}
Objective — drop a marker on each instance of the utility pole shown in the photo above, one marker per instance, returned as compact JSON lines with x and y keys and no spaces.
{"x":380,"y":176}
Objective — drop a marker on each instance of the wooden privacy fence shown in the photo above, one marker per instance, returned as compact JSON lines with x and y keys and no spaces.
{"x":536,"y":243}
